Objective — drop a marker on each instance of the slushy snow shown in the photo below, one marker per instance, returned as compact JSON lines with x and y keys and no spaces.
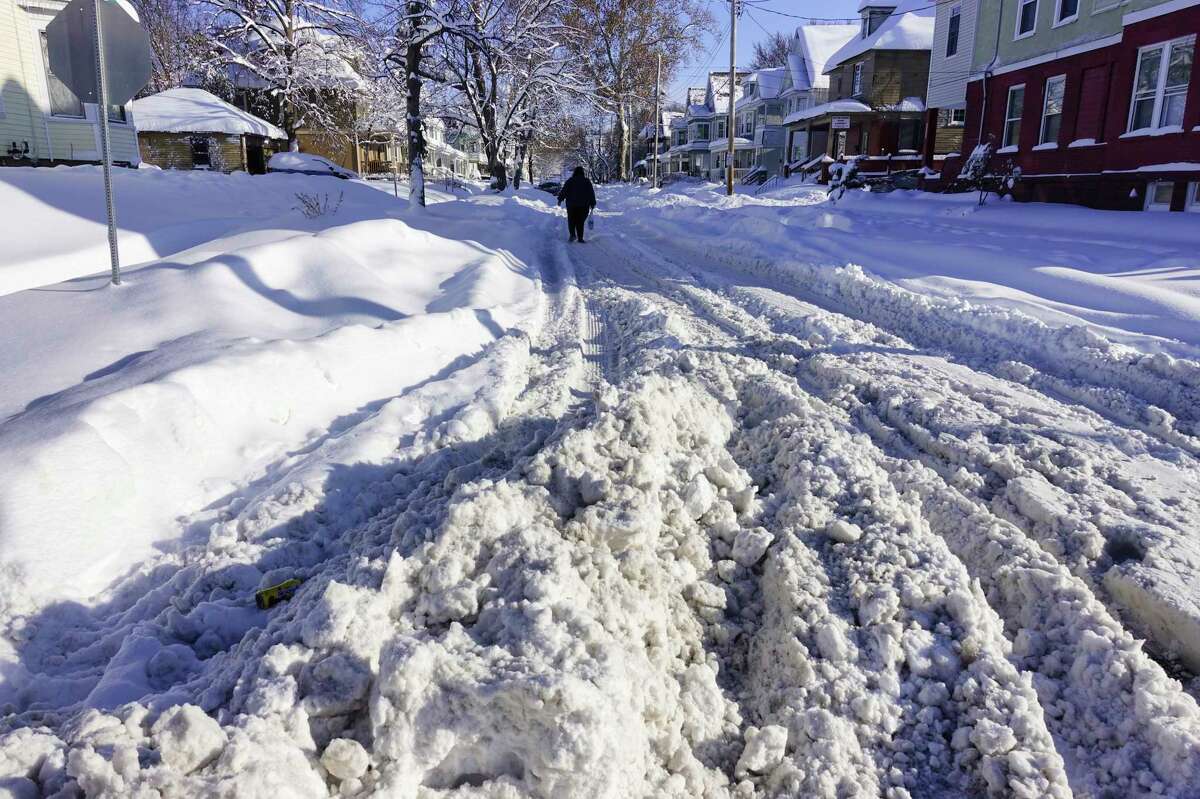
{"x":684,"y":512}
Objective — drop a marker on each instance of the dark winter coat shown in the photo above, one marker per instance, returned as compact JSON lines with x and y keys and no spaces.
{"x":578,"y":192}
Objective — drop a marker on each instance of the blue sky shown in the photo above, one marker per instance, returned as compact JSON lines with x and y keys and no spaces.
{"x":752,"y":27}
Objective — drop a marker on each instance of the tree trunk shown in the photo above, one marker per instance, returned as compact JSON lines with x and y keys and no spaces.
{"x":416,"y":132}
{"x":622,"y":143}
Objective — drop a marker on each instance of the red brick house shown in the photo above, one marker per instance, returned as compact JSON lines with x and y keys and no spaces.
{"x":1113,"y":122}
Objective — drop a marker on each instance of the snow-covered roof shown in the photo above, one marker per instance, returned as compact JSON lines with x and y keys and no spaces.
{"x":905,"y":29}
{"x":811,"y":50}
{"x":717,"y":97}
{"x":197,"y":111}
{"x":863,"y":5}
{"x":695,"y":96}
{"x":723,"y":144}
{"x":768,"y":84}
{"x":832,"y":107}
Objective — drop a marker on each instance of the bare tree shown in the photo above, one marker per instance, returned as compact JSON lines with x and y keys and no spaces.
{"x":617,"y":43}
{"x":512,"y":60}
{"x":772,"y":52}
{"x":298,"y":52}
{"x":181,"y":50}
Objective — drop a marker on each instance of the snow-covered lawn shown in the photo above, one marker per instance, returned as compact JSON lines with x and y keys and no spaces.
{"x":745,"y":497}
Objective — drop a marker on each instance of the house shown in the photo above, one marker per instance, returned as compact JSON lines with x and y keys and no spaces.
{"x":651,"y":136}
{"x":699,"y":146}
{"x":41,"y":120}
{"x":759,"y":119}
{"x":950,"y":60}
{"x":192,"y":129}
{"x":1097,"y":102}
{"x":809,"y":51}
{"x":717,"y":98}
{"x":877,"y":85}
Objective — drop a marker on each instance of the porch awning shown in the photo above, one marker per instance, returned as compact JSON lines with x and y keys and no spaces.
{"x":832,"y":107}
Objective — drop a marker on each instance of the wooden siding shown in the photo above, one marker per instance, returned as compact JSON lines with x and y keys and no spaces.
{"x":888,"y":77}
{"x":174,"y":150}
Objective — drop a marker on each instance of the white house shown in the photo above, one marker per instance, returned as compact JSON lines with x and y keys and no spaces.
{"x":41,"y":120}
{"x":718,"y":97}
{"x":759,"y":116}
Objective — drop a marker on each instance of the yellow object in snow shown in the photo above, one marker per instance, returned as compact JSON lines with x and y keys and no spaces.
{"x":272,"y":596}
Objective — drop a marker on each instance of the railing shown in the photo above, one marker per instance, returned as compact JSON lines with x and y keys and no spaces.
{"x":773,"y":182}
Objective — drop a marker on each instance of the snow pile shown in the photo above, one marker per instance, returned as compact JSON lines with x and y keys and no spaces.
{"x":57,"y":229}
{"x":118,"y":404}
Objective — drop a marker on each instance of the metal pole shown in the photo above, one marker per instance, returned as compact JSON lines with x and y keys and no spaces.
{"x":733,"y":11}
{"x":106,"y":148}
{"x":657,"y":114}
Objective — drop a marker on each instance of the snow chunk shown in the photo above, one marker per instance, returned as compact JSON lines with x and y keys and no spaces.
{"x":345,"y":759}
{"x":843,"y":531}
{"x":751,"y":545}
{"x":187,"y":738}
{"x":764,"y":750}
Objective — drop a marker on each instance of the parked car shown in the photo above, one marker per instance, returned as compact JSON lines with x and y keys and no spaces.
{"x":308,"y":164}
{"x":552,"y":186}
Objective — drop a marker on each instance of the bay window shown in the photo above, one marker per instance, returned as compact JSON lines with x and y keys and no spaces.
{"x":1161,"y":84}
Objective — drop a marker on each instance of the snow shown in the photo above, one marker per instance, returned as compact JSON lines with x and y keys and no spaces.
{"x":832,"y":107}
{"x":751,"y":496}
{"x":134,"y":427}
{"x":815,"y":45}
{"x":185,"y":110}
{"x":908,"y":27}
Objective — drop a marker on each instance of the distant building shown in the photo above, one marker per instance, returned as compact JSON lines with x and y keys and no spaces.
{"x":699,"y":146}
{"x":41,"y":120}
{"x":193,"y":129}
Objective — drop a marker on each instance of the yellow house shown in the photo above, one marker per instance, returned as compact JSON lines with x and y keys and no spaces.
{"x":41,"y":120}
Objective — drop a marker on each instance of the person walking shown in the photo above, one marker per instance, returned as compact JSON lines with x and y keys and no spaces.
{"x":580,"y":197}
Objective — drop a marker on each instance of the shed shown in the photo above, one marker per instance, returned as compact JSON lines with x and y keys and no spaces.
{"x":194,"y":129}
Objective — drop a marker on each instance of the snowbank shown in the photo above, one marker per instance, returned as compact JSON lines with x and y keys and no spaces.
{"x":131,"y":410}
{"x":57,"y":228}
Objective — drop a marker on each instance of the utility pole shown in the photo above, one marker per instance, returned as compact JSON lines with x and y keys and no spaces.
{"x":733,"y":15}
{"x":657,"y":114}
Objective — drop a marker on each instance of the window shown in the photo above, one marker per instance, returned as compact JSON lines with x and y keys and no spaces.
{"x":952,"y":31}
{"x":1067,"y":11}
{"x":856,"y":84}
{"x":958,"y":117}
{"x":866,"y":30}
{"x":116,"y":113}
{"x":702,"y":131}
{"x":1193,"y":203}
{"x":1052,"y":109}
{"x":63,"y":102}
{"x":200,"y":157}
{"x":1026,"y":17}
{"x":1160,"y":87}
{"x":1012,"y":116}
{"x":1159,"y":194}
